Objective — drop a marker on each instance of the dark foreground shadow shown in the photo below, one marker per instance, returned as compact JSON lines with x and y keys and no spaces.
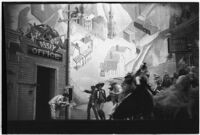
{"x":93,"y":126}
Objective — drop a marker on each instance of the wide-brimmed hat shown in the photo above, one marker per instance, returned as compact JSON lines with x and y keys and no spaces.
{"x":99,"y":85}
{"x":129,"y":78}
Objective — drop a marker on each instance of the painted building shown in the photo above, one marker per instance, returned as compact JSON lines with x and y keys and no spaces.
{"x":75,"y":54}
{"x":26,"y":65}
{"x":129,"y":33}
{"x":182,"y":22}
{"x":135,"y":9}
{"x":81,"y":51}
{"x":35,"y":74}
{"x":87,"y":21}
{"x":115,"y":61}
{"x":110,"y":64}
{"x":165,"y":50}
{"x":153,"y":48}
{"x":183,"y":42}
{"x":99,"y":27}
{"x":124,"y":52}
{"x":111,"y":25}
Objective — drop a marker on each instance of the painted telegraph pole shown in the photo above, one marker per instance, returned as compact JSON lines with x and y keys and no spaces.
{"x":67,"y":58}
{"x":67,"y":66}
{"x":67,"y":71}
{"x":74,"y":15}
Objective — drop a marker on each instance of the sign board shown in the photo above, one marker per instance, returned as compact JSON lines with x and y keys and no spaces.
{"x":45,"y":37}
{"x":145,"y":27}
{"x":177,"y":45}
{"x":47,"y":45}
{"x":44,"y":53}
{"x":140,"y":26}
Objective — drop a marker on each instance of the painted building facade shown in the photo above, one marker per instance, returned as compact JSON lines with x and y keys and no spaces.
{"x":35,"y":74}
{"x":99,"y":27}
{"x":81,"y":51}
{"x":111,"y":25}
{"x":87,"y":21}
{"x":115,"y":61}
{"x":129,"y":33}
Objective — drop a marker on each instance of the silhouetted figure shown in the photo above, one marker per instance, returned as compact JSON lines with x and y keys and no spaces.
{"x":158,"y":81}
{"x":138,"y":103}
{"x":175,"y":77}
{"x":166,"y":81}
{"x":101,"y":99}
{"x":92,"y":102}
{"x":175,"y":102}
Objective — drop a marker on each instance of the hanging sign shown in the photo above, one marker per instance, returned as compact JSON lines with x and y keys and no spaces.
{"x":45,"y":37}
{"x":177,"y":45}
{"x":139,"y":26}
{"x":48,"y":41}
{"x":145,"y":27}
{"x":44,"y":53}
{"x":47,"y":45}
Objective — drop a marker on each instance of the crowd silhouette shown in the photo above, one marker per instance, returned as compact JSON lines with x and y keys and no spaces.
{"x":172,"y":98}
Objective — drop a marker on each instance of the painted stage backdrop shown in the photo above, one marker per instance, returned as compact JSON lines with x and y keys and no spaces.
{"x":106,"y":40}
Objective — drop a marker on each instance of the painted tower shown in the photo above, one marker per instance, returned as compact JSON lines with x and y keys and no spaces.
{"x":111,"y":25}
{"x":81,"y":9}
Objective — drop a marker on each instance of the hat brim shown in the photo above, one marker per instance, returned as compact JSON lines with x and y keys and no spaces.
{"x":100,"y":85}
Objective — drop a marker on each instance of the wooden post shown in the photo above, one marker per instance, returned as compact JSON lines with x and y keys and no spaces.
{"x":67,"y":70}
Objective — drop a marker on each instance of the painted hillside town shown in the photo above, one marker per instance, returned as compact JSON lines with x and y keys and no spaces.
{"x":101,"y":61}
